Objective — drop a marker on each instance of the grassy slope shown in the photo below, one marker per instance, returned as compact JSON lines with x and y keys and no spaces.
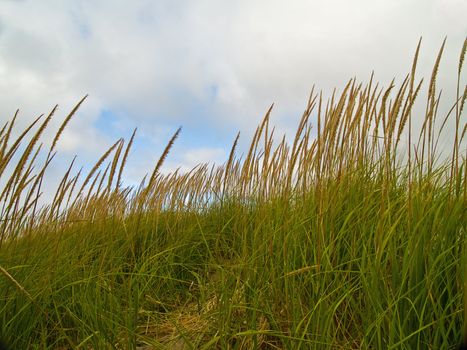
{"x":325,"y":243}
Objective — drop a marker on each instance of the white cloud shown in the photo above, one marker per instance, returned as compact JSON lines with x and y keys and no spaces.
{"x":154,"y":62}
{"x":190,"y":158}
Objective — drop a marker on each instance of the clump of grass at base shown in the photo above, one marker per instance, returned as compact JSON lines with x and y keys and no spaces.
{"x":335,"y":241}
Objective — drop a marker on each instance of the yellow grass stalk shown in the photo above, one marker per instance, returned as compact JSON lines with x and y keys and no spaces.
{"x":162,"y":158}
{"x":25,"y":179}
{"x":37,"y":181}
{"x":251,"y":152}
{"x":6,"y":137}
{"x":124,"y":159}
{"x":88,"y":197}
{"x":267,"y":162}
{"x":425,"y":135}
{"x":17,"y":181}
{"x":370,"y":99}
{"x":60,"y":193}
{"x":457,"y":141}
{"x":65,"y":123}
{"x":9,"y":154}
{"x":101,"y":182}
{"x":298,"y":143}
{"x":413,"y":96}
{"x":407,"y":114}
{"x":29,"y":148}
{"x":228,"y":166}
{"x":114,"y":165}
{"x":96,"y":166}
{"x":3,"y":139}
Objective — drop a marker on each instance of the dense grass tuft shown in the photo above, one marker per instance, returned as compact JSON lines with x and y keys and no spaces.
{"x":343,"y":239}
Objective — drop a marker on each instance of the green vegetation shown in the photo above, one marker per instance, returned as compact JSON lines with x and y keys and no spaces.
{"x":342,"y":239}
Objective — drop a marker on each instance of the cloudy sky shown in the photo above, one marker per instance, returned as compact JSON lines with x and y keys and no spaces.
{"x":213,"y":67}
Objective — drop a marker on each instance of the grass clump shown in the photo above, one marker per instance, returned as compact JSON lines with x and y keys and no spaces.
{"x":339,"y":240}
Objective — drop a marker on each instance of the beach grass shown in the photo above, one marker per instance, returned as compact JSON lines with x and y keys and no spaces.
{"x":350,"y":236}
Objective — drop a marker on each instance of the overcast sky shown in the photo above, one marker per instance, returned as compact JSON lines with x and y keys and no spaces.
{"x":213,"y":67}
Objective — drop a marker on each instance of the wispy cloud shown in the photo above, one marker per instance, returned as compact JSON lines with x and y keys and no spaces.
{"x":213,"y":67}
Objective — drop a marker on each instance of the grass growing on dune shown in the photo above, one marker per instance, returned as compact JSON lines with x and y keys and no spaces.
{"x":329,"y":242}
